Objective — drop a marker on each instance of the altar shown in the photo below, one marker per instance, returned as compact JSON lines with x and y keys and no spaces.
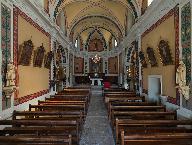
{"x":96,"y":81}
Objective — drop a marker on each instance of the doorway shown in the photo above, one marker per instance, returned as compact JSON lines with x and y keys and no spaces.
{"x":154,"y":88}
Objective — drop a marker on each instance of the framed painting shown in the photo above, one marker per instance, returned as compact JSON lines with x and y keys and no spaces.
{"x":47,"y":60}
{"x":142,"y":59}
{"x":151,"y":57}
{"x":165,"y":53}
{"x":39,"y":56}
{"x":25,"y":53}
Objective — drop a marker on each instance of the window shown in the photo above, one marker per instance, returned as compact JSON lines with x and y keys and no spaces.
{"x":116,"y":43}
{"x":76,"y":43}
{"x":149,"y":2}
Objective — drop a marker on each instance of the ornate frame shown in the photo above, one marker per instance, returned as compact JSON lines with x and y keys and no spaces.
{"x":25,"y":53}
{"x":151,"y":57}
{"x":165,"y":53}
{"x":47,"y":60}
{"x":142,"y":59}
{"x":39,"y":56}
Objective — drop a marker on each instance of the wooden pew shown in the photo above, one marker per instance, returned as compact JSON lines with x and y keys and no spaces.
{"x":117,"y":96}
{"x":35,"y":140}
{"x":68,"y":107}
{"x":151,"y":130}
{"x":116,"y":91}
{"x":124,"y":99}
{"x":47,"y":102}
{"x":136,"y":108}
{"x":46,"y":115}
{"x":157,"y":138}
{"x":142,"y":115}
{"x":70,"y":98}
{"x":122,"y":124}
{"x":67,"y":126}
{"x":125,"y":103}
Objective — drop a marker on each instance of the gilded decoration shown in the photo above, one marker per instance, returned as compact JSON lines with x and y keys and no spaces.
{"x":48,"y":59}
{"x":142,"y":59}
{"x":25,"y":53}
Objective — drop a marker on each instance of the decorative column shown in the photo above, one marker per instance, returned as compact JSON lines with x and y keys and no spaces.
{"x":185,"y":48}
{"x":140,"y":66}
{"x":6,"y":55}
{"x":52,"y":84}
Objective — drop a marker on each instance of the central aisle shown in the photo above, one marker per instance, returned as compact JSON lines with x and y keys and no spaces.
{"x":97,"y":130}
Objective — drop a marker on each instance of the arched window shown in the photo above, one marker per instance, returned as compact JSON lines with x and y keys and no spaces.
{"x":76,"y":43}
{"x":116,"y":43}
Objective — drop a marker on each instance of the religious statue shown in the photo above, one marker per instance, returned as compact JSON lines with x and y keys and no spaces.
{"x":10,"y":81}
{"x":181,"y":80}
{"x":10,"y":75}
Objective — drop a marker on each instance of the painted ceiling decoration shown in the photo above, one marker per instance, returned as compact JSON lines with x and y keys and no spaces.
{"x":83,"y":16}
{"x":97,"y":22}
{"x":59,"y":4}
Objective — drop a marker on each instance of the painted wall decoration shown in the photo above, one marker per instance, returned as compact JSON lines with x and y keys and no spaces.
{"x":64,"y":55}
{"x":129,"y":54}
{"x":95,"y":41}
{"x":165,"y":53}
{"x":5,"y":40}
{"x":151,"y":57}
{"x":39,"y":56}
{"x":113,"y":65}
{"x":186,"y":39}
{"x":78,"y":65}
{"x":95,"y":45}
{"x":25,"y":28}
{"x":186,"y":48}
{"x":25,"y":53}
{"x":5,"y":48}
{"x":136,"y":65}
{"x":167,"y":27}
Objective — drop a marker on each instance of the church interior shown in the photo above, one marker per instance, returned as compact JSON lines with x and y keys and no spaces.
{"x":96,"y":72}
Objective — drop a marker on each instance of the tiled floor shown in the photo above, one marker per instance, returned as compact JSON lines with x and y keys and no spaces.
{"x":97,"y":130}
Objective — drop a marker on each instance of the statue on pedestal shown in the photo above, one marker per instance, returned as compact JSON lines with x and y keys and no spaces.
{"x":10,"y":75}
{"x":181,"y":80}
{"x":10,"y":81}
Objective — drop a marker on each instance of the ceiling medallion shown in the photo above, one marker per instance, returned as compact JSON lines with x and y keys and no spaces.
{"x":96,"y":58}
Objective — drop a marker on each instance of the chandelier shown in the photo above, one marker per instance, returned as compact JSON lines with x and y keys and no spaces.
{"x":96,"y":58}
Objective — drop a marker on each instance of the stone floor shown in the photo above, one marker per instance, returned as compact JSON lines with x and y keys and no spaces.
{"x":97,"y":130}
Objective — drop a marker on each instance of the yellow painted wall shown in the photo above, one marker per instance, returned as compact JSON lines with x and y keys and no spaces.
{"x":32,"y":79}
{"x":165,"y":31}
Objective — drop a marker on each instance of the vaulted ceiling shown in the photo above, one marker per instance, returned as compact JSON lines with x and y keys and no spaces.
{"x":110,"y":17}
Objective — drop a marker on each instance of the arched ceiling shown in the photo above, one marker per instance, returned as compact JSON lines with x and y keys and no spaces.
{"x":109,"y":16}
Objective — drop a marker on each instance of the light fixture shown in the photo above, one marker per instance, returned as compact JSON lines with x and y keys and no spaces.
{"x":96,"y":58}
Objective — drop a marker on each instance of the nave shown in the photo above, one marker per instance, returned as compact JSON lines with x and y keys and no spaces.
{"x":84,"y":116}
{"x":97,"y":130}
